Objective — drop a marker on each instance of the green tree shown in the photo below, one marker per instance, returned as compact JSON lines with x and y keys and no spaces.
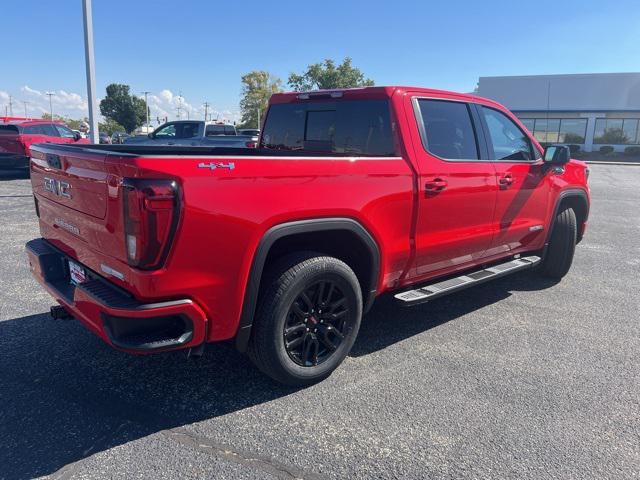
{"x":122,"y":107}
{"x":72,"y":123}
{"x":110,"y":126}
{"x":257,"y":88}
{"x":612,"y":135}
{"x":326,"y":75}
{"x":573,"y":138}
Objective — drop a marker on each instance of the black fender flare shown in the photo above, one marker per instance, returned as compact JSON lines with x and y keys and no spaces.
{"x":282,"y":230}
{"x":563,"y":195}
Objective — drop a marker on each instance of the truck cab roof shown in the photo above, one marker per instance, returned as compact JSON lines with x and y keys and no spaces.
{"x":363,"y":93}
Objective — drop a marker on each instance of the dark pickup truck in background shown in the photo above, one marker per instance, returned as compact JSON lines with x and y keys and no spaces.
{"x":284,"y":247}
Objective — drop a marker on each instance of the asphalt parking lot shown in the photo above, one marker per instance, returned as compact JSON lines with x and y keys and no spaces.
{"x":520,"y":378}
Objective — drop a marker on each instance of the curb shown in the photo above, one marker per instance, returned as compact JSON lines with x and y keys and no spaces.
{"x":596,"y":162}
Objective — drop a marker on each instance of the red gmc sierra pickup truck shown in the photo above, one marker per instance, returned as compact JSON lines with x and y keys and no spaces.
{"x":350,"y":194}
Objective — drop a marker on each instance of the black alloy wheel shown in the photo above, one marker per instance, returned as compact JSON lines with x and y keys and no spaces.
{"x":317,"y":323}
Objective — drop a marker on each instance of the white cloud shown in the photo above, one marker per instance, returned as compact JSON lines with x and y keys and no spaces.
{"x":64,"y":103}
{"x":163,"y":104}
{"x":173,"y":106}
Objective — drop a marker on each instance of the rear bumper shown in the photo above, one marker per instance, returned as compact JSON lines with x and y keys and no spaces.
{"x":13,"y":160}
{"x":112,"y":313}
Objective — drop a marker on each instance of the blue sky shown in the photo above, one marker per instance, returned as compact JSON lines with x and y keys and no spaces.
{"x":201,"y":48}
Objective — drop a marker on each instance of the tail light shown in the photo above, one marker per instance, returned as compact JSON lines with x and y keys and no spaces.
{"x":251,"y":144}
{"x":151,"y":212}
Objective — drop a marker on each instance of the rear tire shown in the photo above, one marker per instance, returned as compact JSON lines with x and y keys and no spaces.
{"x":562,"y":245}
{"x":307,"y":320}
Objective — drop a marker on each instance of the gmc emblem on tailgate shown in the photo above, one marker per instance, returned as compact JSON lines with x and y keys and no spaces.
{"x":57,"y":187}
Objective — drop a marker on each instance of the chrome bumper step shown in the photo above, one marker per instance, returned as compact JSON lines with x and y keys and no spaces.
{"x":445,"y":287}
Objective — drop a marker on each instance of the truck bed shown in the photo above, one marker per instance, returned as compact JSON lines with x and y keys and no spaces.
{"x":148,"y":150}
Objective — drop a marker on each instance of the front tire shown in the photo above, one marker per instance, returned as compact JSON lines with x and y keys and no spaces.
{"x":307,"y":321}
{"x":562,"y":245}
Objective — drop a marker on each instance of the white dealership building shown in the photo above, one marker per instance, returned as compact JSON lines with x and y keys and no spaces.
{"x":590,"y":110}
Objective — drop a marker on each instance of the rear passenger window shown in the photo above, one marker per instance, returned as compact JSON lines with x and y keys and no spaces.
{"x":507,"y":141}
{"x":448,"y":131}
{"x":187,"y":130}
{"x":49,"y":130}
{"x":33,"y":130}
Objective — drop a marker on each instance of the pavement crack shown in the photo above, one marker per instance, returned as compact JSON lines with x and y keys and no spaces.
{"x":206,"y":445}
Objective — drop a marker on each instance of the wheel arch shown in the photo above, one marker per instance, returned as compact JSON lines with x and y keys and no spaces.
{"x":577,"y":199}
{"x":282,"y":237}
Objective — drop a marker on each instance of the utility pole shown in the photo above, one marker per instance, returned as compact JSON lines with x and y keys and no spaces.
{"x":206,"y":110}
{"x":10,"y":106}
{"x":91,"y":69}
{"x":258,"y":118}
{"x":50,"y":94}
{"x":146,"y":106}
{"x":179,"y":107}
{"x":25,"y":108}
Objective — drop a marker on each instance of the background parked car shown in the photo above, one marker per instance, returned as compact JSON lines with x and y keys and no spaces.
{"x":17,"y":137}
{"x":119,"y":137}
{"x":196,"y":133}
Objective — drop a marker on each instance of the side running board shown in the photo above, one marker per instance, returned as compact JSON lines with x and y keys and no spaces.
{"x":445,"y":287}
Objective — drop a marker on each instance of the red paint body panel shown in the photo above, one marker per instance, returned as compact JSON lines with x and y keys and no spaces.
{"x":224,"y":213}
{"x":21,"y":142}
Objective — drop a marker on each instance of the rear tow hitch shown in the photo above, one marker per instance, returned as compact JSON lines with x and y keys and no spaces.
{"x":58,"y":312}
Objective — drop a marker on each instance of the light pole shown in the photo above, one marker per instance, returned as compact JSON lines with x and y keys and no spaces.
{"x":50,"y":94}
{"x":91,"y":69}
{"x":25,"y":109}
{"x":146,"y":106}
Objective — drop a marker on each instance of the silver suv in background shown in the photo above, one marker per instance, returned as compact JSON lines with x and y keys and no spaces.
{"x":196,"y":133}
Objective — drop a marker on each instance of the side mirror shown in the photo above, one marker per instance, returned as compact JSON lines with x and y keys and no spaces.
{"x":557,"y":154}
{"x":150,"y":135}
{"x":76,"y":136}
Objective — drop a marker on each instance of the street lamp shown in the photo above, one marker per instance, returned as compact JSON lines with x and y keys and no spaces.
{"x":50,"y":94}
{"x":146,"y":106}
{"x":91,"y":69}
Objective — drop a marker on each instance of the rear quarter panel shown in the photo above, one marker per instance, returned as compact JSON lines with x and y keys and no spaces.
{"x":226,"y":213}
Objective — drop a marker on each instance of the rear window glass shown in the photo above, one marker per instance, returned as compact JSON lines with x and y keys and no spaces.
{"x":448,"y":131}
{"x":213,"y":130}
{"x":360,"y":127}
{"x":9,"y":130}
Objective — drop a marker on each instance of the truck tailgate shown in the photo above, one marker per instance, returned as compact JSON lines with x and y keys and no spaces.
{"x":75,"y":181}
